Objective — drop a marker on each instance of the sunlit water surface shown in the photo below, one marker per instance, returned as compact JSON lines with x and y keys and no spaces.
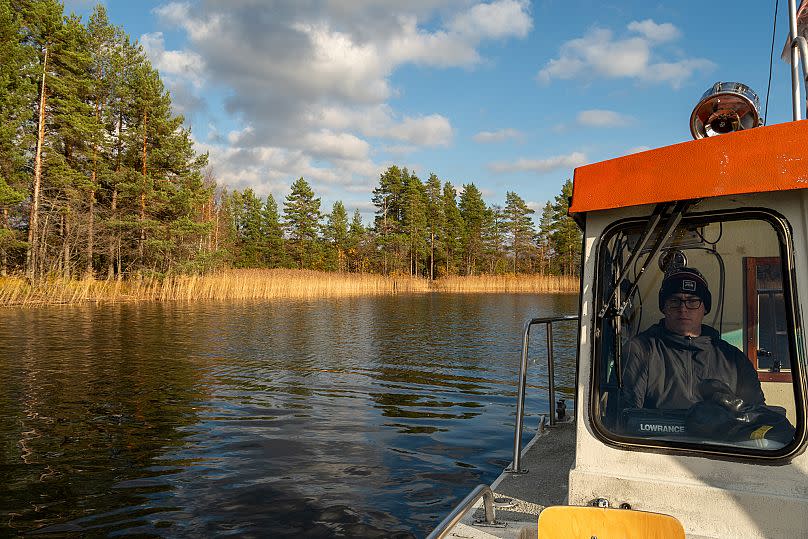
{"x":362,"y":417}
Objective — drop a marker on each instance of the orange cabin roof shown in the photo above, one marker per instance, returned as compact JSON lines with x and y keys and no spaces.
{"x":772,"y":158}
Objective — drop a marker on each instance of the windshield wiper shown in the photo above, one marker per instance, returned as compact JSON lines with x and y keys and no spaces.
{"x":620,"y":304}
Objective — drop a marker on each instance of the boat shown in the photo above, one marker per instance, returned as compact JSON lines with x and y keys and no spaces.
{"x":731,"y":204}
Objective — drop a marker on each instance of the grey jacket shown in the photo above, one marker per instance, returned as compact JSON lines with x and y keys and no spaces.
{"x":662,"y":370}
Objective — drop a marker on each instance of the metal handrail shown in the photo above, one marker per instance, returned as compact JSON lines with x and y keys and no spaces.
{"x":516,"y":467}
{"x":796,"y":107}
{"x":462,"y":508}
{"x":800,"y":45}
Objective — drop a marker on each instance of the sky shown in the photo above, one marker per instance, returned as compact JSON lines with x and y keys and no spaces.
{"x":511,"y":95}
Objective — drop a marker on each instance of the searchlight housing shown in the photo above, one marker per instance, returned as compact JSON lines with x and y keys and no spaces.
{"x":725,"y":107}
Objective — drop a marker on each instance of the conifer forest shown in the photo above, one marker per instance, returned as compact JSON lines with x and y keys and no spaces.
{"x":99,"y":178}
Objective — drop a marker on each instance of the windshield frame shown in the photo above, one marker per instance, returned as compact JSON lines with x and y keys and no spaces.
{"x":796,"y":352}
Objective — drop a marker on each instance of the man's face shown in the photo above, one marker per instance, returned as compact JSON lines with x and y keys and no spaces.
{"x":679,"y":318}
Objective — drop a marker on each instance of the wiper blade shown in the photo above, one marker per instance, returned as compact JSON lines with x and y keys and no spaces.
{"x":670,"y":225}
{"x":672,"y":222}
{"x":653,"y":222}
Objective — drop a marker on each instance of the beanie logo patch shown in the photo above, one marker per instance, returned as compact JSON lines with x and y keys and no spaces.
{"x":688,"y":285}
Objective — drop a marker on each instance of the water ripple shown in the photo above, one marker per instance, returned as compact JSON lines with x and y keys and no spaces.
{"x":360,"y":417}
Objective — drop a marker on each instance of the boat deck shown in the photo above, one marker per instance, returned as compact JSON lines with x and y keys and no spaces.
{"x":547,"y":459}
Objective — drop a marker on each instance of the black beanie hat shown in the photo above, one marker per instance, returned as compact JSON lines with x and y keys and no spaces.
{"x":686,"y":281}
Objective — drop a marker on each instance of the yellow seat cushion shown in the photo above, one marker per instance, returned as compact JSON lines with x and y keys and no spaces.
{"x":568,"y":522}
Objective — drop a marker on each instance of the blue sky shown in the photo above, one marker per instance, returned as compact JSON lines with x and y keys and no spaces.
{"x":509,"y":94}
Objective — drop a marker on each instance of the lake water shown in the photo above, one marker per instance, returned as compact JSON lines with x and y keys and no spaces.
{"x":360,"y":417}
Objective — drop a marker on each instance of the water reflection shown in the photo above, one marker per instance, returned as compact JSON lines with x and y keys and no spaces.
{"x":354,"y":417}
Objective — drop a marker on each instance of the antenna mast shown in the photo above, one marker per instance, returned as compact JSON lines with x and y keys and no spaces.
{"x":796,"y":107}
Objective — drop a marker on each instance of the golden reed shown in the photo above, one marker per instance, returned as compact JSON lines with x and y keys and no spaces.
{"x":263,"y":284}
{"x":507,"y":283}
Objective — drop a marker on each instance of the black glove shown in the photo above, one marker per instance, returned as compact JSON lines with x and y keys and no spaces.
{"x":723,"y":416}
{"x":713,"y":390}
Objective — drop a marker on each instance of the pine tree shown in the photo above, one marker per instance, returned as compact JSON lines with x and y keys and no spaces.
{"x":226,"y":231}
{"x":42,"y":23}
{"x":452,"y":233}
{"x":123,"y":182}
{"x":543,"y":238}
{"x":435,"y":218}
{"x":101,"y":47}
{"x":250,"y":230}
{"x":566,"y":236}
{"x":519,"y":224}
{"x":413,"y":220}
{"x":473,"y":212}
{"x":302,"y":220}
{"x":336,"y":232}
{"x":65,"y":149}
{"x":494,"y":238}
{"x":272,"y":232}
{"x":149,"y":121}
{"x":387,"y":199}
{"x":17,"y":91}
{"x":354,"y":243}
{"x":109,"y":160}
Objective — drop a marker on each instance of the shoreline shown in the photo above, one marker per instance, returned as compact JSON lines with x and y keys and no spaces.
{"x":239,"y":284}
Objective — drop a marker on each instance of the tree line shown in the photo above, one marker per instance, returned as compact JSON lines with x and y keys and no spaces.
{"x":420,"y":228}
{"x":98,"y":177}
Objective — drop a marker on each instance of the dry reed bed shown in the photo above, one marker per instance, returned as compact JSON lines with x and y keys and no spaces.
{"x":262,"y":284}
{"x":508,"y":283}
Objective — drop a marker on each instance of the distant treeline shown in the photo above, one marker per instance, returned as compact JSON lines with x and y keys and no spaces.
{"x":99,"y":178}
{"x":420,"y":228}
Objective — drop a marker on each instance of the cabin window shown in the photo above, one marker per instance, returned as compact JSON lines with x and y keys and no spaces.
{"x":766,"y":334}
{"x":696,"y":345}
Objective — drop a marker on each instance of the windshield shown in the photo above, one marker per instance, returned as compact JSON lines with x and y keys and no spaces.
{"x":703,"y":350}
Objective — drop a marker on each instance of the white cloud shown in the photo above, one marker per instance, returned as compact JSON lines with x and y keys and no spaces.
{"x":602,"y":118}
{"x":338,"y":145}
{"x":381,"y":122}
{"x":432,"y":130}
{"x":496,"y":20}
{"x":399,"y":149}
{"x":500,"y":135}
{"x":340,"y":65}
{"x":269,"y":169}
{"x":312,"y":81}
{"x":652,"y":31}
{"x":568,"y":161}
{"x":537,"y":207}
{"x":456,"y":44}
{"x":438,"y":49}
{"x":677,"y":72}
{"x":235,"y":137}
{"x":173,"y":64}
{"x":182,"y":71}
{"x":599,"y":54}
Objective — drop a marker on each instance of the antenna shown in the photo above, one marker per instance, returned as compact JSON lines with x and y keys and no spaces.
{"x":771,"y":62}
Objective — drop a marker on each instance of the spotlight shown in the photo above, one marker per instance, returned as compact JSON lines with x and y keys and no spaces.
{"x":724,"y":108}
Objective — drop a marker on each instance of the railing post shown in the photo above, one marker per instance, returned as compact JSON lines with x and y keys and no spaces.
{"x":516,"y":467}
{"x":442,"y":529}
{"x":520,"y":401}
{"x":551,"y":372}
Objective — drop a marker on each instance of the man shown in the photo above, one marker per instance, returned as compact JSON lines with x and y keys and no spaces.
{"x":664,"y":365}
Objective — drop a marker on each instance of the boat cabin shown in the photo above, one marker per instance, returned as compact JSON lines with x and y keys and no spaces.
{"x":717,"y":456}
{"x":691,"y":373}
